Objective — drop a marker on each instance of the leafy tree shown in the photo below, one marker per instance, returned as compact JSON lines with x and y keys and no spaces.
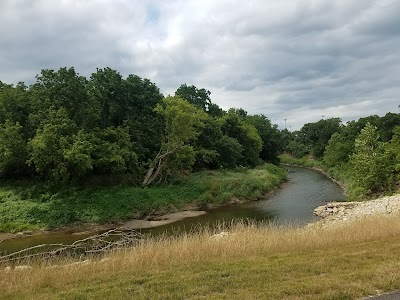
{"x":182,"y":126}
{"x":395,"y":148}
{"x":297,"y":148}
{"x":195,"y":96}
{"x":113,"y":153}
{"x":64,"y":89}
{"x":46,"y":149}
{"x":338,"y":150}
{"x":272,"y":138}
{"x":246,"y":134}
{"x":13,"y":103}
{"x":13,"y":152}
{"x":200,"y":98}
{"x":230,"y":152}
{"x":215,"y":111}
{"x":317,"y":135}
{"x":145,"y":125}
{"x":371,"y":162}
{"x":207,"y":145}
{"x":79,"y":155}
{"x":387,"y":124}
{"x":106,"y":88}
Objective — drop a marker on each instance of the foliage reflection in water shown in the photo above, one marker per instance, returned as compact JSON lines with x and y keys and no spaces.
{"x":293,"y":203}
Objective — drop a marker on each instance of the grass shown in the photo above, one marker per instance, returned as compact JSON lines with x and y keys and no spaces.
{"x":25,"y":206}
{"x":303,"y":162}
{"x":255,"y":262}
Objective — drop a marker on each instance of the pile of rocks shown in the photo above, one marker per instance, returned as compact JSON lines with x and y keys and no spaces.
{"x":333,"y":208}
{"x":341,"y":212}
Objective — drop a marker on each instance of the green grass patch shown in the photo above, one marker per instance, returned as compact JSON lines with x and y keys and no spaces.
{"x":24,"y":205}
{"x":303,"y":162}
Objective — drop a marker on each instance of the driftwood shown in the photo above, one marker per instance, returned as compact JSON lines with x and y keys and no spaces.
{"x":97,"y":244}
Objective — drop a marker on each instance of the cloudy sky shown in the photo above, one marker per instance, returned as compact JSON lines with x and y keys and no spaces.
{"x":295,"y":60}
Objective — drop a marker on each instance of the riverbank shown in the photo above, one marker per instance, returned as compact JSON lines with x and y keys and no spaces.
{"x":28,"y":209}
{"x":246,"y":261}
{"x":339,"y":213}
{"x":251,"y":262}
{"x":318,"y":166}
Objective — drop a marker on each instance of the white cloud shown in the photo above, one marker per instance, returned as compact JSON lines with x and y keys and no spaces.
{"x":286,"y":59}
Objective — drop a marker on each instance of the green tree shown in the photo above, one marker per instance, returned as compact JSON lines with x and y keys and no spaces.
{"x":395,"y":148}
{"x":386,"y":125}
{"x":316,"y":135}
{"x":182,"y":126}
{"x":338,"y":150}
{"x":13,"y":152}
{"x":371,"y":162}
{"x":113,"y":153}
{"x":46,"y":149}
{"x":195,"y":96}
{"x":106,"y":88}
{"x":13,"y":103}
{"x":230,"y":152}
{"x":246,"y":134}
{"x":64,"y":89}
{"x":272,"y":138}
{"x":207,"y":145}
{"x":145,"y":125}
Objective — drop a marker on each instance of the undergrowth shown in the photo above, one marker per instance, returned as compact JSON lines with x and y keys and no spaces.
{"x":30,"y":206}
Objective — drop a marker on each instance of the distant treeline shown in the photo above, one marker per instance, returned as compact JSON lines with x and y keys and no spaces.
{"x":365,"y":152}
{"x":67,"y":128}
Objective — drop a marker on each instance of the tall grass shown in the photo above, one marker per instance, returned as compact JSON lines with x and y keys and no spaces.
{"x":254,"y":262}
{"x":28,"y":206}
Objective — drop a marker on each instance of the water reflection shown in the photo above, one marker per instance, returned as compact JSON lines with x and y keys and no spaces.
{"x":293,"y":203}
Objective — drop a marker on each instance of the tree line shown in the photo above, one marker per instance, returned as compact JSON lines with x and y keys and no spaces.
{"x":67,"y":128}
{"x":367,"y":151}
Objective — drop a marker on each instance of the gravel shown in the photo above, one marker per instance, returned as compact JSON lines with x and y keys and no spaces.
{"x":343,"y":212}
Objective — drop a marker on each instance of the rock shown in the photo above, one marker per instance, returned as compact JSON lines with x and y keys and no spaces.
{"x":52,"y":267}
{"x":342,"y":212}
{"x":79,"y":263}
{"x":103,"y":260}
{"x":22,"y":268}
{"x":220,"y":235}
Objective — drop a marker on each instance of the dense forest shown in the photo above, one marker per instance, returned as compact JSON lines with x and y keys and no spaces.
{"x":74,"y":149}
{"x":365,"y":154}
{"x":67,"y":128}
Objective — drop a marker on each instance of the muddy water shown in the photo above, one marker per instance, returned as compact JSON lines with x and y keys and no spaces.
{"x":293,"y":203}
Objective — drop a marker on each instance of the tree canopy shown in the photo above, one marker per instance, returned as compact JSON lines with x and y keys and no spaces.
{"x":65,"y":127}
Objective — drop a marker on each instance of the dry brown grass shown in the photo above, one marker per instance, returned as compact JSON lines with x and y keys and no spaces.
{"x":254,"y":262}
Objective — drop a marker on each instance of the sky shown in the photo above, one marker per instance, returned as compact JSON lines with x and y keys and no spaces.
{"x":296,"y":60}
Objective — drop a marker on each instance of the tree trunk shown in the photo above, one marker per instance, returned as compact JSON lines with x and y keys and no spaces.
{"x":155,"y":171}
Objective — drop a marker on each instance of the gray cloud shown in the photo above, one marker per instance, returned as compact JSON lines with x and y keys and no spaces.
{"x":296,"y":60}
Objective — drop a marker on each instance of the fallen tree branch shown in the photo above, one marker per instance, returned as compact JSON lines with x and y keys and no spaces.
{"x":100,"y":243}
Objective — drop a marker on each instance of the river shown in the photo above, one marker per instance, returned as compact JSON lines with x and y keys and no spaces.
{"x":293,"y":203}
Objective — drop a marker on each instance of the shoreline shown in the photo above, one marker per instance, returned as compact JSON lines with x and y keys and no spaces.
{"x":157,"y":218}
{"x":132,"y":224}
{"x":330,"y":214}
{"x":340,"y":213}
